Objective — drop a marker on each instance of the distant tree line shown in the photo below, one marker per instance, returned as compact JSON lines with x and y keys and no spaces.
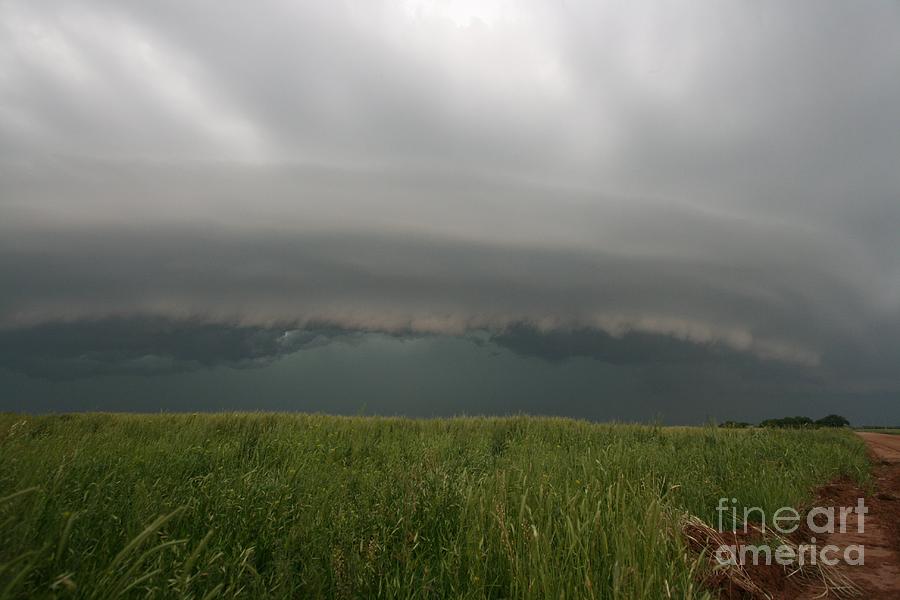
{"x":793,"y":423}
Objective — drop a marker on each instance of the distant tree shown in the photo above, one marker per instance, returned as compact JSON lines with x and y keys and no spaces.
{"x":735,"y":425}
{"x":788,"y":422}
{"x":833,"y":421}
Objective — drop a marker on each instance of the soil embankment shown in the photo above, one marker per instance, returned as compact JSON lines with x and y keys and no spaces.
{"x":879,"y":577}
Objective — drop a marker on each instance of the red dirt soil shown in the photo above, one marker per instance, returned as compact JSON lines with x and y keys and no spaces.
{"x":879,"y":577}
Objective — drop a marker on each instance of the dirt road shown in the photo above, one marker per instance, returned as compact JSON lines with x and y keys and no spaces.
{"x":884,"y":446}
{"x":879,"y":577}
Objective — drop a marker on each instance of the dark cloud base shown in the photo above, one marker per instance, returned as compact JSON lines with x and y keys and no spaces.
{"x":153,"y":345}
{"x":147,"y":346}
{"x":153,"y":364}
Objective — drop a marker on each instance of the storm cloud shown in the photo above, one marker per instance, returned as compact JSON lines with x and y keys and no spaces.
{"x":148,"y":346}
{"x":699,"y":191}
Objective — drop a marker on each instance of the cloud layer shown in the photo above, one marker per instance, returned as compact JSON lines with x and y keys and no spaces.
{"x":714,"y":177}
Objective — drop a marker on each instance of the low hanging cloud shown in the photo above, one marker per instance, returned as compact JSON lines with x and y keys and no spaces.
{"x":148,"y":346}
{"x":590,"y":179}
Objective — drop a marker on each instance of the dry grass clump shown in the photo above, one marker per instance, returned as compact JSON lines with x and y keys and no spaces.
{"x":760,"y":581}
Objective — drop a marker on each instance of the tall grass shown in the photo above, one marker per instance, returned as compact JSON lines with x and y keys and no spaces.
{"x":266,"y":505}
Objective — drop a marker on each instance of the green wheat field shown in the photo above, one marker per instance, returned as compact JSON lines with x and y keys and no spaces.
{"x":308,"y":506}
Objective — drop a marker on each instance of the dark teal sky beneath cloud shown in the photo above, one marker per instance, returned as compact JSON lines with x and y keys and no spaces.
{"x":430,"y":376}
{"x":378,"y":374}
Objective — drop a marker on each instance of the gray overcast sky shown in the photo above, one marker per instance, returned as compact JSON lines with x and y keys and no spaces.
{"x":689,"y":196}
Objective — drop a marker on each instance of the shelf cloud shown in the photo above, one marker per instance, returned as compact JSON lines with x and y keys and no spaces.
{"x":678,"y":187}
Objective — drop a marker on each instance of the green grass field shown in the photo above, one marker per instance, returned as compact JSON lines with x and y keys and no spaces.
{"x":264,"y":505}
